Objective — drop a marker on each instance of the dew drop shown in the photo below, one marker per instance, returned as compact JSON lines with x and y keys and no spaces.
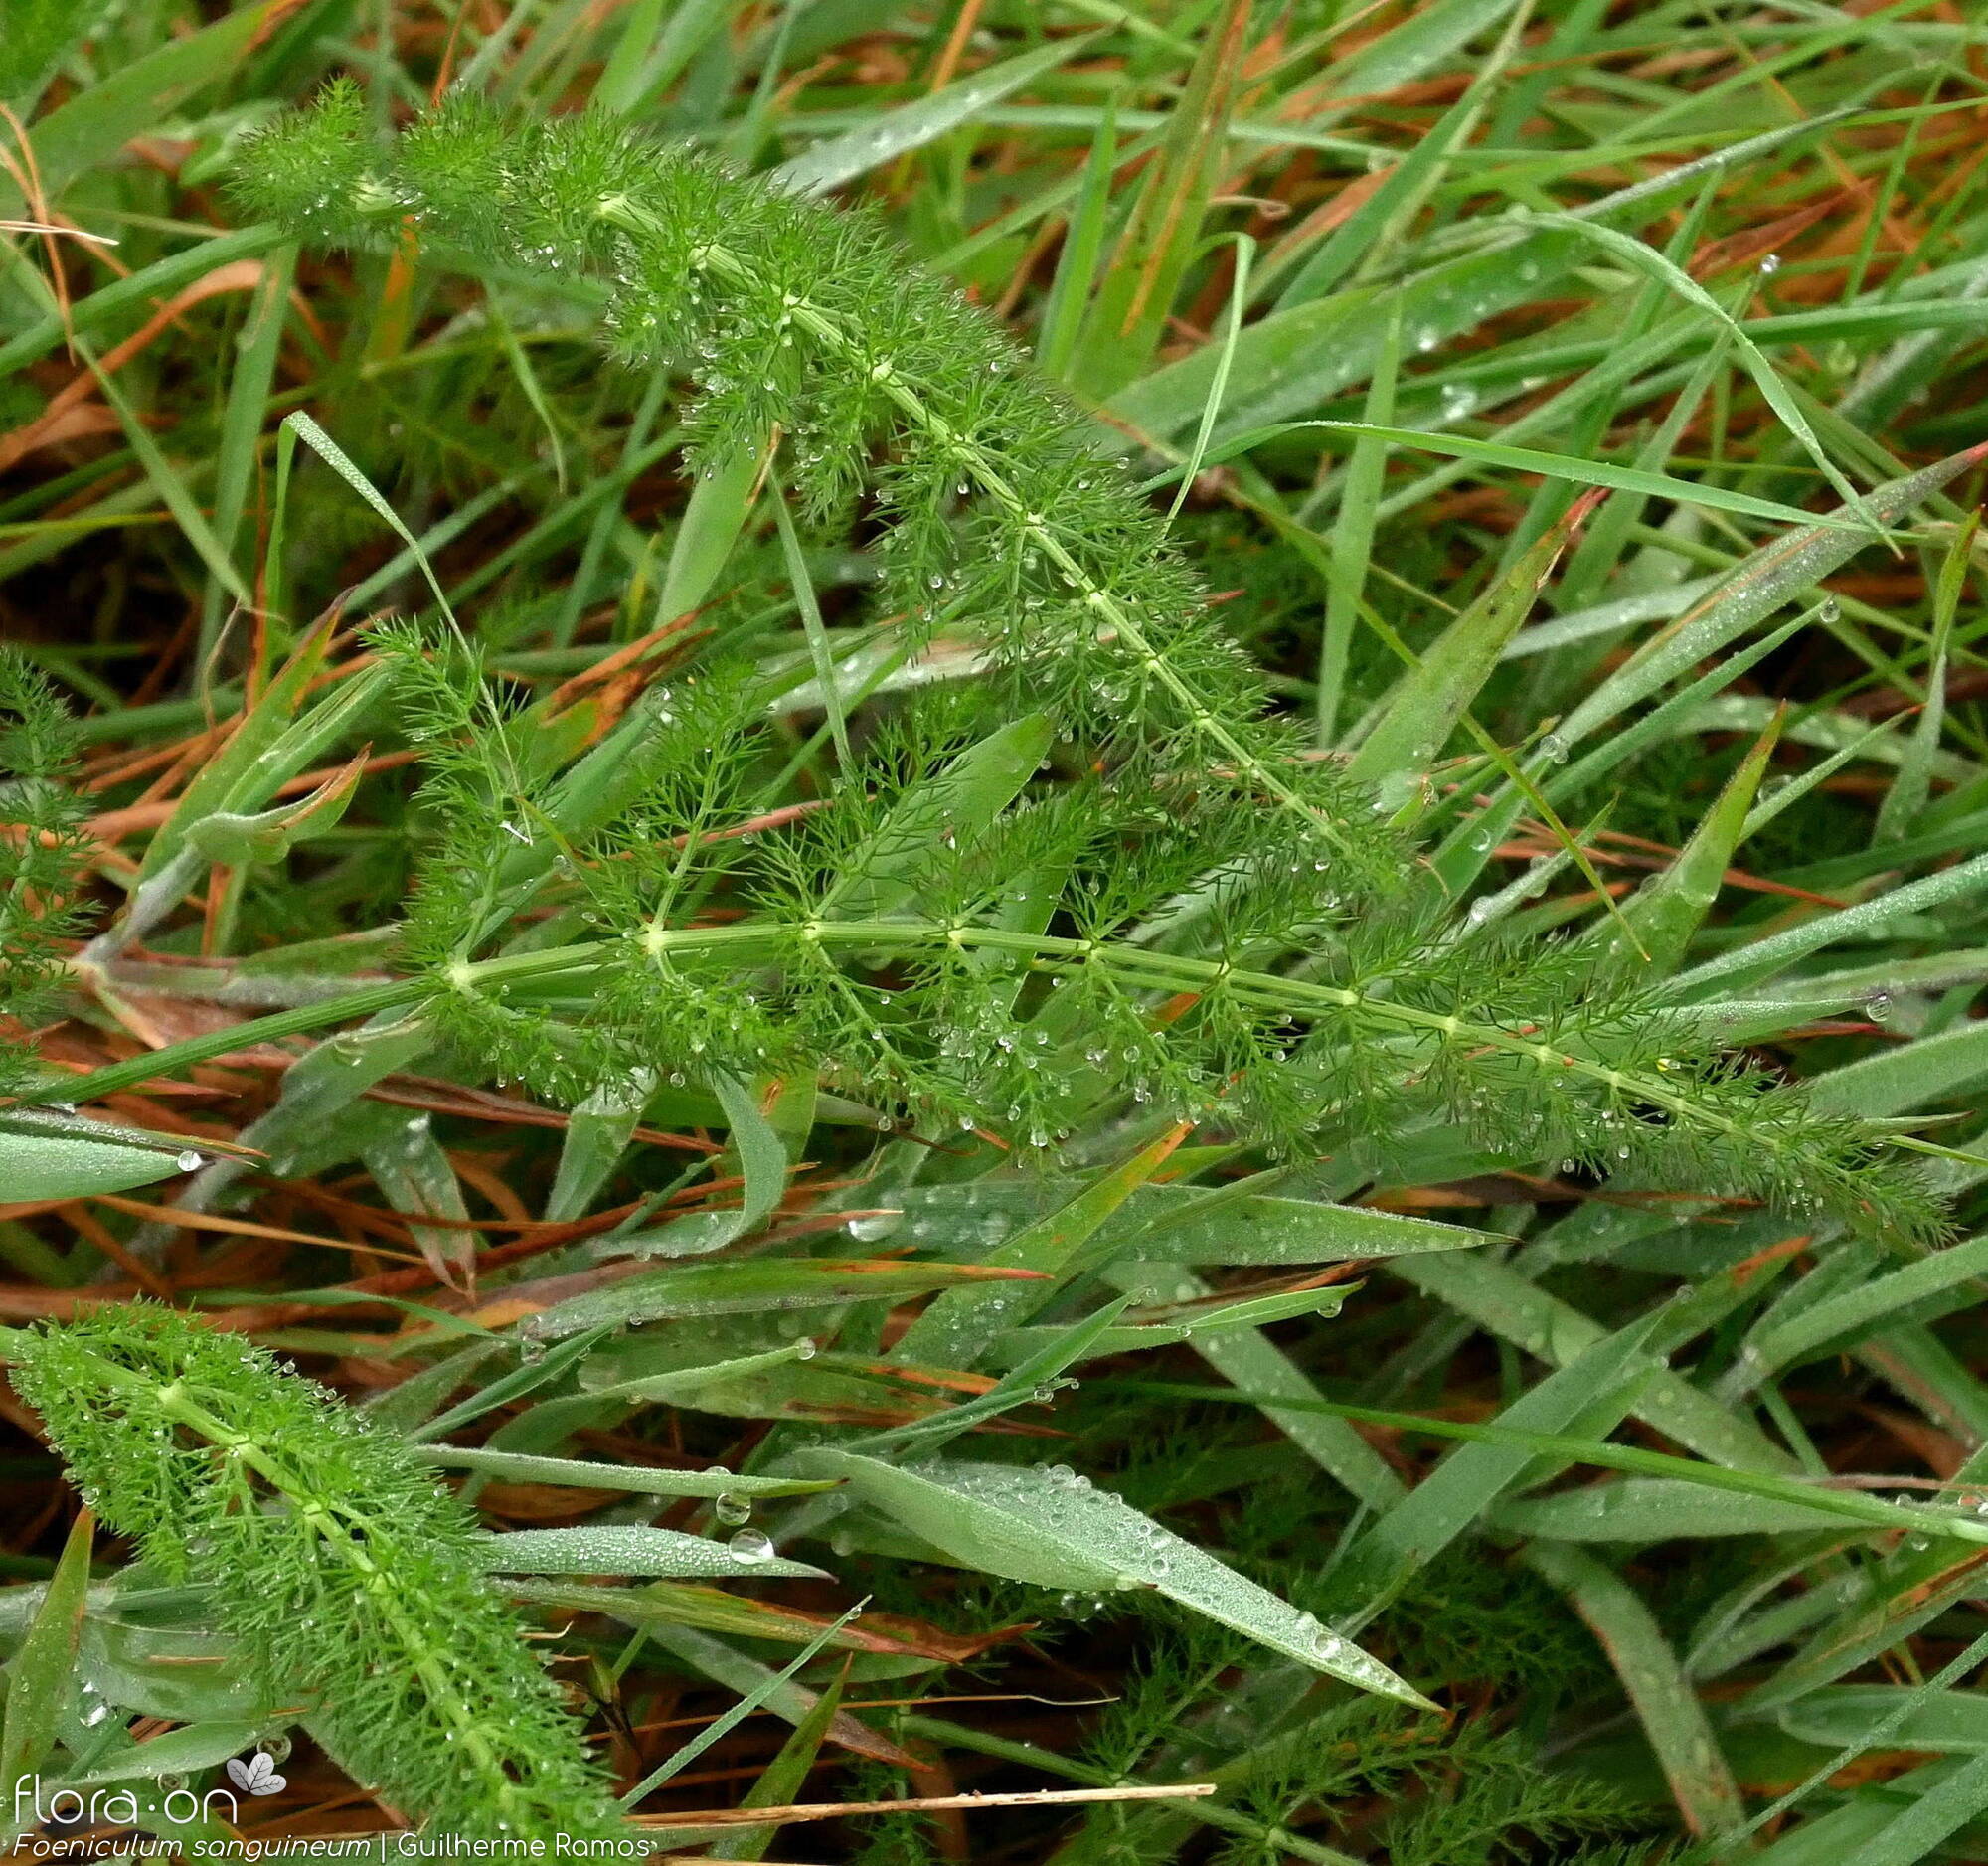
{"x":751,"y":1547}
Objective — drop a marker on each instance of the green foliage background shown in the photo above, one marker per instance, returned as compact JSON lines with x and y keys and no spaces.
{"x":1243,"y":737}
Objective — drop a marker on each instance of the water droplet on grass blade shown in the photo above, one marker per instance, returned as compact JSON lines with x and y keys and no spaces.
{"x":751,"y":1547}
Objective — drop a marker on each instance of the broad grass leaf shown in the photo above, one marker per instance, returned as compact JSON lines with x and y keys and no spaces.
{"x":416,"y":1178}
{"x":1671,"y":907}
{"x":1177,"y":1224}
{"x":629,"y":1548}
{"x":1262,"y":1228}
{"x":740,"y":1386}
{"x":960,"y":801}
{"x":1855,"y":1313}
{"x":750,"y":1287}
{"x":597,"y":1133}
{"x":40,"y":35}
{"x":1671,"y":1714}
{"x":1910,"y":1075}
{"x":782,"y":1383}
{"x":1655,"y":1509}
{"x":892,"y":133}
{"x":177,"y":1751}
{"x":1845,"y":1830}
{"x":276,"y":738}
{"x":1779,"y":571}
{"x":55,"y":1156}
{"x":635,"y":1479}
{"x":1765,"y":959}
{"x":1842,"y":1714}
{"x":719,"y":505}
{"x":318,"y":1119}
{"x":1422,"y":712}
{"x":1571,"y":467}
{"x":1509,"y":1304}
{"x":233,"y":839}
{"x":1905,"y":1589}
{"x":1940,"y":1809}
{"x":762,"y":1163}
{"x":783,"y":1778}
{"x":1591,"y":1394}
{"x":96,"y":124}
{"x":1020,"y":1345}
{"x":1056,"y":1529}
{"x":1075,"y":280}
{"x":959,"y":1326}
{"x":43,"y":1671}
{"x":180,"y":1672}
{"x":1424,"y":38}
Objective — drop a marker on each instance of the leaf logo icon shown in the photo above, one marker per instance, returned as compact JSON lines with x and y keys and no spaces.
{"x":257,"y":1776}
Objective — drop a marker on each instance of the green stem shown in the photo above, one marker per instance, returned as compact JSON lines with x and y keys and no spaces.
{"x":1140,"y":967}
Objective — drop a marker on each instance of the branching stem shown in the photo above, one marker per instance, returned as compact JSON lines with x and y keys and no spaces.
{"x":1140,"y":967}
